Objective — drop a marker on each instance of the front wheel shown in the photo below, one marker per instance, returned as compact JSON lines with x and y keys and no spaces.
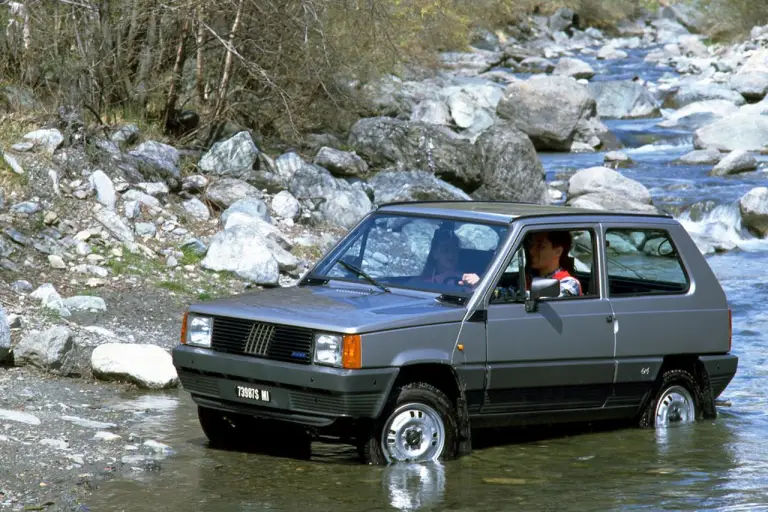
{"x":678,"y":399}
{"x":418,"y":425}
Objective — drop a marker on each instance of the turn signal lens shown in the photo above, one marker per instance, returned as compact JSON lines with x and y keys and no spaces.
{"x":184,"y":329}
{"x":352,"y":354}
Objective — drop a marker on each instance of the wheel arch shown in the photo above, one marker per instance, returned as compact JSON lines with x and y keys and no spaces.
{"x":696,"y":367}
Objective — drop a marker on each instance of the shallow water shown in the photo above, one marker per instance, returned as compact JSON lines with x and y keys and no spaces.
{"x":711,"y":465}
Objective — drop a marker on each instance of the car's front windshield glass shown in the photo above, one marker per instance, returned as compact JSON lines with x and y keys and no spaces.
{"x":426,"y":253}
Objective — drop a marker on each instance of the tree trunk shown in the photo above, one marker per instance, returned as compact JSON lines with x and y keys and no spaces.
{"x":227,"y":73}
{"x":199,"y":79}
{"x":145,"y":60}
{"x":178,"y":68}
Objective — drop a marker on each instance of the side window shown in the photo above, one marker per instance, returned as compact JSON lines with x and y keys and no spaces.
{"x":568,"y":255}
{"x":643,"y":261}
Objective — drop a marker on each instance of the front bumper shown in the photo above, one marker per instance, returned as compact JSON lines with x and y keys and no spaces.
{"x":306,"y":394}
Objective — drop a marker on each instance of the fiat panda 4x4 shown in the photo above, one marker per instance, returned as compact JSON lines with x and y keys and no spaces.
{"x":430,"y":320}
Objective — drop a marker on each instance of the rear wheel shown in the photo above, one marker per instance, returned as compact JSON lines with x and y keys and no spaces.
{"x":234,"y":431}
{"x":677,"y":399}
{"x":418,"y":425}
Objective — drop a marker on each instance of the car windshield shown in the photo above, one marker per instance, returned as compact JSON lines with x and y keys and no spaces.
{"x":407,"y":251}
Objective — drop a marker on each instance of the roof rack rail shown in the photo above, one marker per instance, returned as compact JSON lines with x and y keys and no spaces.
{"x":433,"y":201}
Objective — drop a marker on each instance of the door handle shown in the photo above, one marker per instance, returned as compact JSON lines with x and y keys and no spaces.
{"x":609,"y":318}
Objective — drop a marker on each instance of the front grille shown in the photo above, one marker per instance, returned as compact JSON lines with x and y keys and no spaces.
{"x":261,"y":339}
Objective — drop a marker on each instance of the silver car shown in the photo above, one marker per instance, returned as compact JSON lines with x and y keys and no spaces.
{"x":431,"y":320}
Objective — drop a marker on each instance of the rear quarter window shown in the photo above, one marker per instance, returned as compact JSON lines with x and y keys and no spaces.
{"x":643,"y":262}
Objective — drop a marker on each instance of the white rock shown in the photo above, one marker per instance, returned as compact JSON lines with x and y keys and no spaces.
{"x":85,"y":303}
{"x":59,"y":444}
{"x":19,"y":417}
{"x":243,"y":250}
{"x":56,"y":261}
{"x":115,"y":225}
{"x":148,"y":366}
{"x":5,"y":334}
{"x":49,"y":139}
{"x":82,"y":422}
{"x":105,"y":189}
{"x":735,"y":162}
{"x":197,"y":210}
{"x":107,"y":437}
{"x":285,"y":205}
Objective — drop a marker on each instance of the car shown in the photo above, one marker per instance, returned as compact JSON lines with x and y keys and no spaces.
{"x":425,"y":323}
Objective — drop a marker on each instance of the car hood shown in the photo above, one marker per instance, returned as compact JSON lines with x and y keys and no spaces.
{"x":347,"y":309}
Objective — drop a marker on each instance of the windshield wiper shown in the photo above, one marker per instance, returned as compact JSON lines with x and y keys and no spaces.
{"x":452,"y":299}
{"x":362,"y":274}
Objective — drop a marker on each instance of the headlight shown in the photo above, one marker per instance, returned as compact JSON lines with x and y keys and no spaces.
{"x":337,"y":350}
{"x":199,"y":330}
{"x":328,"y":349}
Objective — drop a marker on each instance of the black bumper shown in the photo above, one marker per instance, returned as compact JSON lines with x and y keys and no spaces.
{"x":306,"y":394}
{"x":721,"y":370}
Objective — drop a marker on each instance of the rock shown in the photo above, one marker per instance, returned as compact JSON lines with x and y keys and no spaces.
{"x":561,"y":20}
{"x":145,"y":229}
{"x":735,"y":162}
{"x":234,"y":157}
{"x":157,"y":160}
{"x":431,"y":112}
{"x":341,"y":163}
{"x":85,"y":303}
{"x":141,"y":198}
{"x":114,"y":225}
{"x":13,"y":164}
{"x":390,"y":143}
{"x":105,"y":189}
{"x":669,"y":31}
{"x":609,"y":52}
{"x":285,"y":205}
{"x":739,"y":131}
{"x":250,"y":206}
{"x":194,"y":246}
{"x":700,"y":157}
{"x":265,"y":229}
{"x":698,"y":114}
{"x":157,"y":190}
{"x":391,"y":186}
{"x":618,"y":159}
{"x":511,"y":167}
{"x":574,"y":68}
{"x":752,"y":85}
{"x":754,"y":211}
{"x":687,"y":15}
{"x":44,"y":349}
{"x":19,"y":417}
{"x":243,"y":250}
{"x":194,"y":183}
{"x":107,"y":437}
{"x":528,"y":105}
{"x":125,"y":135}
{"x":701,"y":91}
{"x":196,"y":210}
{"x":603,"y":188}
{"x":623,"y":99}
{"x":224,"y":192}
{"x":49,"y":140}
{"x":147,"y":366}
{"x":86,"y":423}
{"x":21,"y":286}
{"x":288,"y":163}
{"x":56,"y":261}
{"x":756,"y":63}
{"x":5,"y":335}
{"x":536,"y":65}
{"x":346,"y":207}
{"x":26,"y":208}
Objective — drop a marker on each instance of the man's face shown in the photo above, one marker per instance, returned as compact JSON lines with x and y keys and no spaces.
{"x":543,"y":255}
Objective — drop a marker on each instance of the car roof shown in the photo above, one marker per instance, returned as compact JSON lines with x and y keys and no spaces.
{"x":504,"y":211}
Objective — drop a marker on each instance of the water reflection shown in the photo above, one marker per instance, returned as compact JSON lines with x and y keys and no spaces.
{"x":414,"y":486}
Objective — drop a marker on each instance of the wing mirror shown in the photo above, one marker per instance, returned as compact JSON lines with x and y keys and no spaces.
{"x":541,"y":288}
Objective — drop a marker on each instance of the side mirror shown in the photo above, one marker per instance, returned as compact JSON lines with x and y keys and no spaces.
{"x":541,"y":288}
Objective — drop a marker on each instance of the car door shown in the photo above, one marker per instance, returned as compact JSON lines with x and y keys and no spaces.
{"x":561,"y":356}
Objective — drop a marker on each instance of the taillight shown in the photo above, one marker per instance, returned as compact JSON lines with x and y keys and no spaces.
{"x":730,"y":329}
{"x":184,"y":329}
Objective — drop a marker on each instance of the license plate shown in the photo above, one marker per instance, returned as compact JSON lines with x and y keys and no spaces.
{"x":259,"y":395}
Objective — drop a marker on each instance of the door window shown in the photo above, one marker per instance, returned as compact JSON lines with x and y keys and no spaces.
{"x":643,"y":262}
{"x":568,"y":255}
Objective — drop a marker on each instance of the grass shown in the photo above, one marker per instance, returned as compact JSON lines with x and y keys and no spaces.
{"x":308,"y":252}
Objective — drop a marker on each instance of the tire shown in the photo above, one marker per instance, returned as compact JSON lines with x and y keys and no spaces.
{"x":240,"y":432}
{"x":677,"y":398}
{"x":419,"y":424}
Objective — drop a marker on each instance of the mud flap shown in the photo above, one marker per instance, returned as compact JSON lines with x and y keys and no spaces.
{"x":465,"y":432}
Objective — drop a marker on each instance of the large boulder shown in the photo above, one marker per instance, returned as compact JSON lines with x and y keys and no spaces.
{"x":391,"y":143}
{"x":752,"y":85}
{"x":600,"y":188}
{"x":243,"y":249}
{"x":574,"y":68}
{"x":692,"y":92}
{"x":739,"y":131}
{"x":698,"y":114}
{"x":233,"y":157}
{"x":511,"y":168}
{"x":147,"y":366}
{"x":44,"y":349}
{"x":623,"y":99}
{"x":5,"y":335}
{"x":157,"y":161}
{"x":529,"y":106}
{"x":391,"y":186}
{"x":754,"y":211}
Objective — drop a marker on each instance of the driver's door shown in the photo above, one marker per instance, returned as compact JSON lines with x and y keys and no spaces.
{"x":559,"y":357}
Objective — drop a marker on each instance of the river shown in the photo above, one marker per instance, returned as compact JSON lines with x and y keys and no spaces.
{"x":710,"y":465}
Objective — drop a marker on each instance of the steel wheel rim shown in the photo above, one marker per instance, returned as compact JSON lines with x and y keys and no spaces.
{"x":413,"y":433}
{"x":675,"y":406}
